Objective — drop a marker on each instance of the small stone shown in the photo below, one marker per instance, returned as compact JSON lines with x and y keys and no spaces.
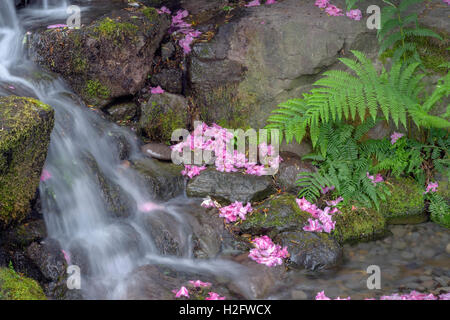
{"x":398,"y":231}
{"x":400,"y":245}
{"x":158,"y":151}
{"x":299,"y":295}
{"x":447,"y":248}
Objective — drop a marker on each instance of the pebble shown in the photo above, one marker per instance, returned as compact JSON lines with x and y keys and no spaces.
{"x":447,"y":248}
{"x":400,"y":245}
{"x":299,"y":295}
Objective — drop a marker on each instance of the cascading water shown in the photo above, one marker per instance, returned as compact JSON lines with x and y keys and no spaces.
{"x":82,"y":147}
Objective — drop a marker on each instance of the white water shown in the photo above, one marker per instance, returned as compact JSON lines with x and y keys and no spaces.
{"x":74,"y":211}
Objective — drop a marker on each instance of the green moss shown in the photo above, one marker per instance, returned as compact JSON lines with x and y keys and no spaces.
{"x":232,"y":107}
{"x":150,"y":13}
{"x":94,"y":89}
{"x":359,"y":225}
{"x":114,"y":30}
{"x":14,"y":286}
{"x":26,"y":126}
{"x":161,"y":122}
{"x":277,"y":214}
{"x":432,"y":52}
{"x":405,"y":205}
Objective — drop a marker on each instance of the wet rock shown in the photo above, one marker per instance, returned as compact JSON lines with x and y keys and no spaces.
{"x":161,"y":179}
{"x":149,"y":283}
{"x":116,"y":200}
{"x":106,"y":59}
{"x":169,"y":79}
{"x":26,"y":125}
{"x":161,"y":115}
{"x":277,"y":214}
{"x":405,"y":205}
{"x":361,"y":224}
{"x":311,"y":250}
{"x":447,"y":248}
{"x":288,"y":171}
{"x":168,"y":235}
{"x":158,"y":151}
{"x":210,"y":237}
{"x":230,"y":187}
{"x":48,"y":257}
{"x":261,"y":281}
{"x":24,"y":234}
{"x":122,"y":111}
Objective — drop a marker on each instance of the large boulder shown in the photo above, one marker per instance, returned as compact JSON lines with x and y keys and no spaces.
{"x":266,"y":55}
{"x":108,"y":58}
{"x":25,"y":128}
{"x":230,"y":187}
{"x":405,"y":205}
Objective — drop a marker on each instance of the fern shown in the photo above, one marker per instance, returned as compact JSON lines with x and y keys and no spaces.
{"x":340,"y":95}
{"x":344,"y":166}
{"x":439,"y":209}
{"x":397,"y":26}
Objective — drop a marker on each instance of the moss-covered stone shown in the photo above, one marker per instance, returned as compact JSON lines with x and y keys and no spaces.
{"x":277,"y":214}
{"x":25,"y":128}
{"x":357,"y":225}
{"x":405,"y":205}
{"x":106,"y":59}
{"x":115,"y":30}
{"x":162,"y":115}
{"x":14,"y":286}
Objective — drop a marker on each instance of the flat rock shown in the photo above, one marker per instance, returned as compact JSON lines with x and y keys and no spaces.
{"x":230,"y":187}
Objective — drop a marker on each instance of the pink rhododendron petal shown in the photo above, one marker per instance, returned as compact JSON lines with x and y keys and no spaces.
{"x":334,"y":11}
{"x":322,"y":3}
{"x":253,"y":3}
{"x":148,"y":206}
{"x":214,"y":296}
{"x":46,"y":175}
{"x":199,"y":284}
{"x":57,"y":26}
{"x":395,"y":136}
{"x":271,"y":1}
{"x":156,"y":90}
{"x":183,"y":292}
{"x":321,"y":296}
{"x":267,"y":253}
{"x":354,"y":14}
{"x":66,"y":256}
{"x":432,"y":187}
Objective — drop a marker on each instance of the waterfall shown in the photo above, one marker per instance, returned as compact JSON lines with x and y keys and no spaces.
{"x":82,"y":148}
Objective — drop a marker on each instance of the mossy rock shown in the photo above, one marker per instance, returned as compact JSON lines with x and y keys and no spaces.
{"x":405,"y":205}
{"x":358,"y":225}
{"x":277,"y":214}
{"x":26,"y":125}
{"x":14,"y":286}
{"x":162,"y":115}
{"x":106,"y":59}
